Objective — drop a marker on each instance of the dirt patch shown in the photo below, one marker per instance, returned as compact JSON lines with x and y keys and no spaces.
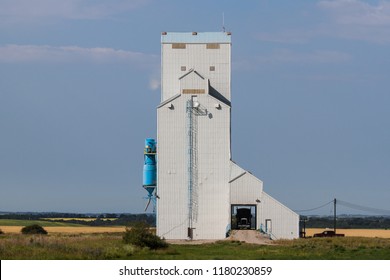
{"x":247,"y":236}
{"x":190,"y":242}
{"x":250,"y":236}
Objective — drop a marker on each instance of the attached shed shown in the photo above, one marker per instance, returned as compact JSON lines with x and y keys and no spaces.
{"x":272,"y":217}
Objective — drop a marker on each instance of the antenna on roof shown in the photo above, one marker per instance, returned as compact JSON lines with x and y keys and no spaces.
{"x":223,"y":21}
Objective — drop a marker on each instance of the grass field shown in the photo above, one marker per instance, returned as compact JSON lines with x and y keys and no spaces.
{"x":99,"y":243}
{"x":101,"y":246}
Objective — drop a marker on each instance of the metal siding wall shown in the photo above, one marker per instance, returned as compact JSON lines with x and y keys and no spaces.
{"x":213,"y":172}
{"x":235,"y":171}
{"x":215,"y":194}
{"x":245,"y":189}
{"x":285,"y":222}
{"x":213,"y":144}
{"x":197,"y":57}
{"x":171,"y":59}
{"x":172,"y":210}
{"x":194,"y":82}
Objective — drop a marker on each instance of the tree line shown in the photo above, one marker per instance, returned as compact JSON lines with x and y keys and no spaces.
{"x":103,"y":219}
{"x":366,"y":222}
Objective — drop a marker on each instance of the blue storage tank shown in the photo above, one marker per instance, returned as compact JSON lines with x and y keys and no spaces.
{"x":150,"y":167}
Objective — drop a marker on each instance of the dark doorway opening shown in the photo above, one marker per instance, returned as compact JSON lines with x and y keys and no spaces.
{"x":243,"y":216}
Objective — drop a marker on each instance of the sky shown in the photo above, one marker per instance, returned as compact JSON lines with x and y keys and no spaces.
{"x":80,"y":83}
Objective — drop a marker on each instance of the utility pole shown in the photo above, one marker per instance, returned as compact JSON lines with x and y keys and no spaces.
{"x":334,"y":215}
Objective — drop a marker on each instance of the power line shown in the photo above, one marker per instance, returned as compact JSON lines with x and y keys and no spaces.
{"x":350,"y":205}
{"x":308,"y":210}
{"x":363,"y":208}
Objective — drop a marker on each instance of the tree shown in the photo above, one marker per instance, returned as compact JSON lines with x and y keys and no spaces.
{"x":140,"y":235}
{"x":33,"y":229}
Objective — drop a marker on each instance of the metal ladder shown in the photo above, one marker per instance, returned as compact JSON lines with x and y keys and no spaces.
{"x":192,"y":138}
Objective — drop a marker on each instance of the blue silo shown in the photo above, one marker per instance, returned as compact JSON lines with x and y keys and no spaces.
{"x":150,"y":170}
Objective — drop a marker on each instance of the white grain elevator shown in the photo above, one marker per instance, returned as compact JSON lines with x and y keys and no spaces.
{"x":200,"y":190}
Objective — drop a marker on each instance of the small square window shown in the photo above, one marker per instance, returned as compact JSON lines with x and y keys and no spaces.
{"x":212,"y":68}
{"x":212,"y":46}
{"x":183,"y":68}
{"x":178,"y":46}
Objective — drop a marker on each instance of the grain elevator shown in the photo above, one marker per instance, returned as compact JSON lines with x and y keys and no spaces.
{"x":200,"y":192}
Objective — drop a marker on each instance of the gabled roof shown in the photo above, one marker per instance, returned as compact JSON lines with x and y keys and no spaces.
{"x":191,"y":71}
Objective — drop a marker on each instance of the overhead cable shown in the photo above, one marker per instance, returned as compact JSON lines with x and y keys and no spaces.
{"x":363,"y":208}
{"x":308,"y":210}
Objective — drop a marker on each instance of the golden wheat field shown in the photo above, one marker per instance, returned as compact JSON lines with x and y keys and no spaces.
{"x":78,"y":219}
{"x":381,"y":233}
{"x":67,"y":230}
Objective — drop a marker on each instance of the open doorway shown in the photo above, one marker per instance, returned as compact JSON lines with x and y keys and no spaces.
{"x":243,"y":216}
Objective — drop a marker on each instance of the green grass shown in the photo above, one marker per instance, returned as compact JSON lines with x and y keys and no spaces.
{"x":23,"y":223}
{"x":110,"y":246}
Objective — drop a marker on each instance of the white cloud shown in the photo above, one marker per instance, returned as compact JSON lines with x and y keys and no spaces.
{"x":66,"y":54}
{"x":154,"y":83}
{"x":314,"y":57}
{"x":291,"y":36}
{"x":358,"y":20}
{"x":355,"y":12}
{"x":347,"y":19}
{"x":27,"y":10}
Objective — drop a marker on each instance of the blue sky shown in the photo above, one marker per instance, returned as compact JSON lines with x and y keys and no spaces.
{"x":80,"y":83}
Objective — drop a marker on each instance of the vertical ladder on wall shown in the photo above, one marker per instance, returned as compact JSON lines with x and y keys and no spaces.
{"x":194,"y":155}
{"x":192,"y":134}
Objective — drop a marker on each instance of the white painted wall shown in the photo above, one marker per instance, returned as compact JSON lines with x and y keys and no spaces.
{"x":198,"y":57}
{"x":213,"y":192}
{"x":285,"y":222}
{"x":172,"y":207}
{"x":221,"y":182}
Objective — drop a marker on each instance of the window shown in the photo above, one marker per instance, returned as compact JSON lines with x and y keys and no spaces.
{"x":212,"y":68}
{"x":183,"y":68}
{"x":178,"y":46}
{"x":193,"y":91}
{"x":212,"y":46}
